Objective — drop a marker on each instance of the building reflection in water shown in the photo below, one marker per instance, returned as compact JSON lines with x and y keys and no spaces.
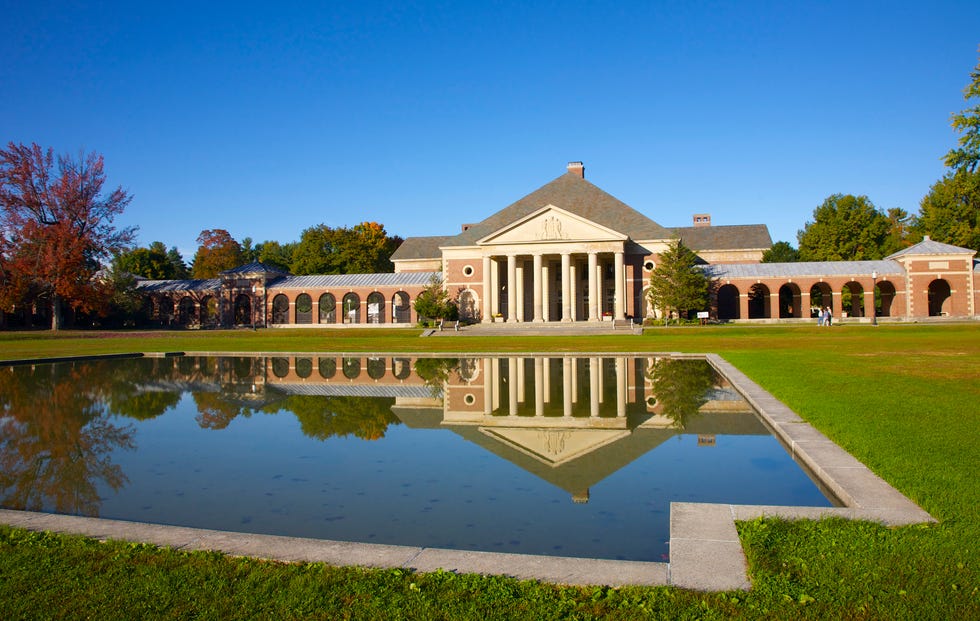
{"x":571,"y":421}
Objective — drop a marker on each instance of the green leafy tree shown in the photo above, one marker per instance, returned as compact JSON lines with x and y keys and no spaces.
{"x":844,"y":228}
{"x":677,"y":283}
{"x":967,"y":155}
{"x":218,"y":251}
{"x":781,"y":252}
{"x":363,"y":249}
{"x":900,"y":233}
{"x":681,"y":387}
{"x":433,"y":301}
{"x":950,"y":212}
{"x":274,"y":254}
{"x":146,"y":263}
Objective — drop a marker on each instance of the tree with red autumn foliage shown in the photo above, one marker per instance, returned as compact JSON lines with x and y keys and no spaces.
{"x":56,"y":228}
{"x":217,"y":251}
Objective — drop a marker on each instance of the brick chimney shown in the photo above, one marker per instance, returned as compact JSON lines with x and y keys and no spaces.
{"x":702,"y":219}
{"x":577,"y":168}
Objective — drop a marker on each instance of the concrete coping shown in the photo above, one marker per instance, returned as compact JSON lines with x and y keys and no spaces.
{"x":705,"y":551}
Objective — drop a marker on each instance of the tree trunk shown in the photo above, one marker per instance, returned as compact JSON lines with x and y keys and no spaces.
{"x":55,"y":311}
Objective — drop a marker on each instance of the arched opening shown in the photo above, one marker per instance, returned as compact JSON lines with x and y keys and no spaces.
{"x":759,"y":302}
{"x":209,"y":311}
{"x":166,"y":310}
{"x":280,"y":309}
{"x":280,"y":367}
{"x":852,"y":299}
{"x":884,"y":297}
{"x":185,"y":312}
{"x":243,"y":310}
{"x":728,"y":302}
{"x":376,"y":308}
{"x":467,"y":305}
{"x":304,"y":367}
{"x":401,"y":367}
{"x":304,"y":309}
{"x":328,"y":308}
{"x":352,"y":367}
{"x":939,"y":294}
{"x":327,"y":367}
{"x":242,"y":367}
{"x":376,"y":368}
{"x":790,"y":301}
{"x":401,"y":308}
{"x":820,"y":298}
{"x":352,"y":308}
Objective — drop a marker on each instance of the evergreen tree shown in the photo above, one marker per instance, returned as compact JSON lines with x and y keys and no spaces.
{"x":677,"y":283}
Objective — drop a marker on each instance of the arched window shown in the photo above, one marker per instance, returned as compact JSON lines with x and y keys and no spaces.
{"x":401,"y":367}
{"x":885,"y":294}
{"x":243,"y":310}
{"x":401,"y":308}
{"x":939,"y":294}
{"x":376,"y":368}
{"x":209,"y":310}
{"x":304,"y":309}
{"x":467,"y":305}
{"x":789,"y":301}
{"x":376,"y":308}
{"x":852,"y":299}
{"x":185,"y":312}
{"x":328,"y":308}
{"x":352,"y":308}
{"x":820,"y":298}
{"x":327,"y":367}
{"x":728,"y":307}
{"x":352,"y":367}
{"x":759,"y":302}
{"x":280,"y":367}
{"x":304,"y":367}
{"x":166,"y":309}
{"x":280,"y":309}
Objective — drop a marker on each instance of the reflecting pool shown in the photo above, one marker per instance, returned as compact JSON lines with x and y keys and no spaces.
{"x":535,"y":455}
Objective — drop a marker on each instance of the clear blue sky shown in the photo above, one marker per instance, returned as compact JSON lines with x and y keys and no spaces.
{"x":267,"y":118}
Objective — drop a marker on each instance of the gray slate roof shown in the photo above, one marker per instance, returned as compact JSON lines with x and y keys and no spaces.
{"x":725,"y":237}
{"x":575,"y":195}
{"x":253,"y":268}
{"x":420,"y":248}
{"x":929,"y":246}
{"x":155,"y":286}
{"x":404,"y":279}
{"x":412,"y":391}
{"x":806,"y":269}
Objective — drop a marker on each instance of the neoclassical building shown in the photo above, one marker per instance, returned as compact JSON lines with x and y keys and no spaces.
{"x":571,"y":252}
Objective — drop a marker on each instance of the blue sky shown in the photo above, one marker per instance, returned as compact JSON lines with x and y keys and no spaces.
{"x":268,"y":118}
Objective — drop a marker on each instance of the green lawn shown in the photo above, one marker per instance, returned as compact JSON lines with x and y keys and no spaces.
{"x":905,"y":399}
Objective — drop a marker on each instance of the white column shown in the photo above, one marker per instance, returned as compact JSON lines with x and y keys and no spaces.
{"x":546,"y":292}
{"x":537,"y":288}
{"x":520,"y":291}
{"x":593,"y":286}
{"x":566,"y":377}
{"x":488,"y":385}
{"x":620,"y":277}
{"x":566,"y":287}
{"x":547,"y":380}
{"x":594,"y":390}
{"x":494,"y":287}
{"x":621,"y":387}
{"x":521,"y":386}
{"x":511,"y":289}
{"x":512,"y":385}
{"x":496,"y":382}
{"x":539,"y":386}
{"x":574,"y":380}
{"x":487,"y":292}
{"x":573,"y":272}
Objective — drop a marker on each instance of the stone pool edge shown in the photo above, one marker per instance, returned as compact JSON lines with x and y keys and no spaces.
{"x":705,"y":551}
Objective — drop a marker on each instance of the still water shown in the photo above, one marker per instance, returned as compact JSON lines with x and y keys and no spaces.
{"x":563,"y":456}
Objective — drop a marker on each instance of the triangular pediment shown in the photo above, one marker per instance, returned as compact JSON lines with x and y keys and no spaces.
{"x":551,"y":224}
{"x":555,"y":446}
